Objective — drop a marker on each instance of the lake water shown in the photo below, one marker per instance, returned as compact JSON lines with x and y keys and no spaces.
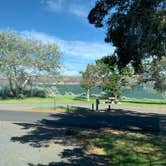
{"x":137,"y":92}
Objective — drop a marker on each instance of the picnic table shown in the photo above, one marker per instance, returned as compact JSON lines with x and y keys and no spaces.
{"x":110,"y":101}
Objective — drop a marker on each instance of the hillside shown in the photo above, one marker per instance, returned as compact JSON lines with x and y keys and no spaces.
{"x":71,"y":80}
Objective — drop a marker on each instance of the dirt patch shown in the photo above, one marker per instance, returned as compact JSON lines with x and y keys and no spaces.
{"x":95,"y":150}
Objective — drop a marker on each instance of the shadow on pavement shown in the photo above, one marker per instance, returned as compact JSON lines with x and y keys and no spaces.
{"x":66,"y":126}
{"x":77,"y":157}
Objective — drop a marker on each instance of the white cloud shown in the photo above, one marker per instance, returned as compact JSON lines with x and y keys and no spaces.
{"x":79,"y":10}
{"x":75,"y":7}
{"x":70,"y":72}
{"x":77,"y":54}
{"x":53,"y":5}
{"x":79,"y":49}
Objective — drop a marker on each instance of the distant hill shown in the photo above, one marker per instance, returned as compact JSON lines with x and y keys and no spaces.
{"x":71,"y":80}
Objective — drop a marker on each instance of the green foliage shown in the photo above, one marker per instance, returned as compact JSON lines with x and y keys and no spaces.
{"x":51,"y":91}
{"x":21,"y":58}
{"x":5,"y":92}
{"x":158,"y":72}
{"x":125,"y":149}
{"x":76,"y":89}
{"x":88,"y":79}
{"x":137,"y":28}
{"x":112,"y":86}
{"x":39,"y":92}
{"x":112,"y":80}
{"x":155,"y":74}
{"x":43,"y":92}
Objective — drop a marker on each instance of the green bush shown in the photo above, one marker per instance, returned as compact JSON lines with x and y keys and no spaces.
{"x":51,"y":92}
{"x":39,"y":92}
{"x":5,"y":92}
{"x":43,"y":92}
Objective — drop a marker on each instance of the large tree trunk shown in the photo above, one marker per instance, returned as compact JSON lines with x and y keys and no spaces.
{"x":21,"y":87}
{"x":11,"y":87}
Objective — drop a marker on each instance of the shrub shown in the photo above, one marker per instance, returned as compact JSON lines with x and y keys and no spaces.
{"x":39,"y":92}
{"x":69,"y":93}
{"x":5,"y":92}
{"x":51,"y":92}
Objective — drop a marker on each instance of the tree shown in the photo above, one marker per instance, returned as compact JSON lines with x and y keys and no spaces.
{"x":21,"y":58}
{"x":155,"y":74}
{"x":137,"y":28}
{"x":88,"y":79}
{"x":113,"y":81}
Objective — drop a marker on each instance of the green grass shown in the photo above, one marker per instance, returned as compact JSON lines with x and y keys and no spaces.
{"x":126,"y":149}
{"x":69,"y":109}
{"x":58,"y":99}
{"x":158,"y":103}
{"x":146,"y":103}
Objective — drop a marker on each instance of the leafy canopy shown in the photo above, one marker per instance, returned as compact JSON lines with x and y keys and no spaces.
{"x":88,"y":79}
{"x":137,"y":28}
{"x":155,"y":74}
{"x":111,"y":80}
{"x":21,"y":58}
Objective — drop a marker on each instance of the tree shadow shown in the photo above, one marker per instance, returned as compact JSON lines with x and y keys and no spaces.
{"x":78,"y":157}
{"x":131,"y":149}
{"x":67,"y":126}
{"x":73,"y":109}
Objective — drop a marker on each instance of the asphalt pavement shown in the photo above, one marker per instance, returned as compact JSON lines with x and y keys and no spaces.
{"x":39,"y":139}
{"x":23,"y":116}
{"x":45,"y":139}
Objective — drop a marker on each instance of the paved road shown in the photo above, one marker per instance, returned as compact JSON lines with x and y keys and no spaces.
{"x":14,"y":153}
{"x":26,"y":117}
{"x":41,"y":139}
{"x":117,"y":119}
{"x":33,"y":106}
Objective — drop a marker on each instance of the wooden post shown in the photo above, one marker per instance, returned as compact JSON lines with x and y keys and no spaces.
{"x":109,"y":107}
{"x":97,"y":104}
{"x":68,"y":110}
{"x":92,"y":107}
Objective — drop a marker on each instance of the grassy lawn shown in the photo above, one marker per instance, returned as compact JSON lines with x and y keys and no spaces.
{"x":151,"y":103}
{"x":68,"y":109}
{"x":126,"y":149}
{"x":156,"y":103}
{"x":58,"y":99}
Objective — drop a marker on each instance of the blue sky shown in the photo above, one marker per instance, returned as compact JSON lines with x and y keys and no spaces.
{"x":63,"y":22}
